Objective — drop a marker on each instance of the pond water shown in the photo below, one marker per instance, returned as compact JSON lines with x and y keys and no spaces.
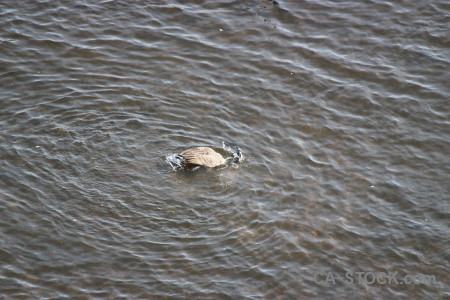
{"x":340,"y":108}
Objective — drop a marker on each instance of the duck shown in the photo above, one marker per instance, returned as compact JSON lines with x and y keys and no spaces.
{"x":202,"y":156}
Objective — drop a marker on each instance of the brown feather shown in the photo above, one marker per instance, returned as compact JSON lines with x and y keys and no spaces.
{"x":203,"y":156}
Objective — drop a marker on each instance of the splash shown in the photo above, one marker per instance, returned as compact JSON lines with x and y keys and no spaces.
{"x":176,"y":161}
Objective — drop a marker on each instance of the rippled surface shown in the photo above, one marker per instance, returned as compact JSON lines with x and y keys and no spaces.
{"x":341,"y":108}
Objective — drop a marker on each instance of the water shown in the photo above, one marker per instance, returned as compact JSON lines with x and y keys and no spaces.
{"x":341,"y":110}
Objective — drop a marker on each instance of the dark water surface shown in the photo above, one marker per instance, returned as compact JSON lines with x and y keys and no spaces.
{"x":340,"y":107}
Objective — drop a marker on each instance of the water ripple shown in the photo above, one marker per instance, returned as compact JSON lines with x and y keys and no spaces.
{"x":338,"y":107}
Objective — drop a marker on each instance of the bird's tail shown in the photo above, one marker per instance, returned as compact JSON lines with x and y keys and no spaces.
{"x":237,"y":155}
{"x":235,"y":150}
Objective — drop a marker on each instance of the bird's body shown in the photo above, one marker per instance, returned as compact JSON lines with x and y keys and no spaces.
{"x":203,"y":156}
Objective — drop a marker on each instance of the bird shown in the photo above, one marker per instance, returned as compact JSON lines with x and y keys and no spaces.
{"x":201,"y":156}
